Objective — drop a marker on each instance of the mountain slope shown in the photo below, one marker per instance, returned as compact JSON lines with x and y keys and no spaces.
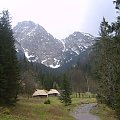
{"x":40,"y":46}
{"x":75,"y":44}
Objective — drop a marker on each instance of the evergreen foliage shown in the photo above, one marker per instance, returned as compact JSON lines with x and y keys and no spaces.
{"x":80,"y":74}
{"x":107,"y":63}
{"x":65,"y":91}
{"x":9,"y":71}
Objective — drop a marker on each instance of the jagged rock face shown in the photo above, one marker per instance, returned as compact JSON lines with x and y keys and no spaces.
{"x":40,"y":46}
{"x":75,"y":44}
{"x":78,"y":42}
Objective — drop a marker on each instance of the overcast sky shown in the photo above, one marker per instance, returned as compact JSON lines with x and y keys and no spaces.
{"x":61,"y":17}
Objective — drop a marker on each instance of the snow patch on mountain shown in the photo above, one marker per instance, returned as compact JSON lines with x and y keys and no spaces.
{"x":30,"y":57}
{"x":75,"y":50}
{"x":17,"y":50}
{"x":56,"y":60}
{"x":63,"y":43}
{"x":43,"y":61}
{"x":54,"y":66}
{"x":87,"y":34}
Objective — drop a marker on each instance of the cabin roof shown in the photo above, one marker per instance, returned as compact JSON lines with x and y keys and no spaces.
{"x":53,"y":91}
{"x":39,"y":92}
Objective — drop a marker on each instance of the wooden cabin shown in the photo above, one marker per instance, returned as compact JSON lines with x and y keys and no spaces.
{"x":40,"y":93}
{"x":53,"y":92}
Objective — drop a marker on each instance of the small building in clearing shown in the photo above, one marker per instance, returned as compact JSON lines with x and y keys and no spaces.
{"x":40,"y":93}
{"x":53,"y":92}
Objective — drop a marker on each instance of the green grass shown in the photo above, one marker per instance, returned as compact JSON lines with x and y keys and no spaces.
{"x":35,"y":109}
{"x":104,"y":112}
{"x":78,"y":101}
{"x":9,"y":117}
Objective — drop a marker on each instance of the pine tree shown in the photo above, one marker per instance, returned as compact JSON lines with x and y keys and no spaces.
{"x":103,"y":63}
{"x":66,"y":91}
{"x":116,"y":29}
{"x":107,"y":64}
{"x":9,"y":71}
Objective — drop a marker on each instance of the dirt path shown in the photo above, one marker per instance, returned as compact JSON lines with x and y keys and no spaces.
{"x":82,"y":112}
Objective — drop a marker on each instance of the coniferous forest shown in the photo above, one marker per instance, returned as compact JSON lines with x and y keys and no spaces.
{"x":106,"y":65}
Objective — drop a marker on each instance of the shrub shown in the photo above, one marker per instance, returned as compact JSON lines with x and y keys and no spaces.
{"x":47,"y":102}
{"x":6,"y":111}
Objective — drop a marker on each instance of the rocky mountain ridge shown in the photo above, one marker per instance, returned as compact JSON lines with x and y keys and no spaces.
{"x":40,"y":46}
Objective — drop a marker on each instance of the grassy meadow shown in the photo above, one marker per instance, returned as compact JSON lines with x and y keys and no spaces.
{"x":35,"y":109}
{"x":104,"y":112}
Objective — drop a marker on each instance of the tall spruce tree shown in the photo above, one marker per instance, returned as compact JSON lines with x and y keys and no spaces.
{"x":116,"y":29}
{"x":66,"y":91}
{"x":104,"y":63}
{"x":9,"y":72}
{"x":107,"y":64}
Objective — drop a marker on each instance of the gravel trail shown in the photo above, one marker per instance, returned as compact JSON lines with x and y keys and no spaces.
{"x":82,"y":112}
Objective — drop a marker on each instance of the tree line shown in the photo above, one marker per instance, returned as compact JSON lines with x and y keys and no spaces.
{"x":106,"y":65}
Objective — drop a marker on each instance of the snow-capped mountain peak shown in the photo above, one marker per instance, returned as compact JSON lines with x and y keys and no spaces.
{"x":40,"y":46}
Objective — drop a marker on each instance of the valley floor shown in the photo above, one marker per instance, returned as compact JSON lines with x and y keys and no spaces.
{"x":35,"y":109}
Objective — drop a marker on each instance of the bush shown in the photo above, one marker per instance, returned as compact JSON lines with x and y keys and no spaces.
{"x":6,"y":111}
{"x":60,"y":98}
{"x":47,"y":102}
